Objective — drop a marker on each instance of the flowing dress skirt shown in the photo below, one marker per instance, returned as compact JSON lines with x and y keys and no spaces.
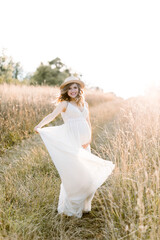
{"x":81,"y":172}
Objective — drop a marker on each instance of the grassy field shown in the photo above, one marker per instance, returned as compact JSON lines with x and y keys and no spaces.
{"x":127,"y":206}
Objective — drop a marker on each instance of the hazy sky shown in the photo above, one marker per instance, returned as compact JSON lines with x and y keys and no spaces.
{"x":114,"y":44}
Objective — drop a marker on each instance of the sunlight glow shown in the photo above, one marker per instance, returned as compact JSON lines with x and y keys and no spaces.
{"x":113,"y":44}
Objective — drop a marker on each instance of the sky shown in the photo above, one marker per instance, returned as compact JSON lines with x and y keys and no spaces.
{"x":114,"y":44}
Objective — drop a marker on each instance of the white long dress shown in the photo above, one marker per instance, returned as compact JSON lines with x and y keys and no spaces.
{"x":81,"y":172}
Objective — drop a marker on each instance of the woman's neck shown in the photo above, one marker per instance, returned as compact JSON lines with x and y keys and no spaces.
{"x":75,"y":103}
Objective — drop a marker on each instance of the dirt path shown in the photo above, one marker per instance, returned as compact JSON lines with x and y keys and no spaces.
{"x":20,"y":150}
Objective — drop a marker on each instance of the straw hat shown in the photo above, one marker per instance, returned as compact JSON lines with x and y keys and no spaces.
{"x":72,"y":79}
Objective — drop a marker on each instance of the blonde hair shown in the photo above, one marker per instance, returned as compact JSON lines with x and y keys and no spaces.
{"x":64,"y":94}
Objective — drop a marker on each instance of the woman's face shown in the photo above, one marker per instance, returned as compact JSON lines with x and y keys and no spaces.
{"x":73,"y":90}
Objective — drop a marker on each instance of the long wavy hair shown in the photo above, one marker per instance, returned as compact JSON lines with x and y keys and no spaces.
{"x":64,"y":94}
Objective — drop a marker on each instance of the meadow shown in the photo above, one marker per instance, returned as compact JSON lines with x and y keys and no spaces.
{"x":126,"y":206}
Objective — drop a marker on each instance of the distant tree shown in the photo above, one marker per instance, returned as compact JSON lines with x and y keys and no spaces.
{"x":9,"y":70}
{"x":6,"y":66}
{"x":2,"y":64}
{"x":56,"y":63}
{"x":52,"y":74}
{"x":17,"y":70}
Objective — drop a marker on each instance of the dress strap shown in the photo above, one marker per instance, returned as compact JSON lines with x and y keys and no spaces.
{"x":86,"y":104}
{"x":67,"y":104}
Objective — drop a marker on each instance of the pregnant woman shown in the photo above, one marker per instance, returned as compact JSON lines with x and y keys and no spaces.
{"x":81,"y":172}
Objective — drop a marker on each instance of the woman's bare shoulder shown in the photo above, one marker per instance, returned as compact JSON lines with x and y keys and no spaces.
{"x":64,"y":105}
{"x":61,"y":105}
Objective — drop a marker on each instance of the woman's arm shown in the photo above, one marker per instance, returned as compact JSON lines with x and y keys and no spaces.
{"x":50,"y":117}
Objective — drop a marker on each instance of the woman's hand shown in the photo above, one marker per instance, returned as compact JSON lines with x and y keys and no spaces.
{"x":35,"y":129}
{"x":86,"y":145}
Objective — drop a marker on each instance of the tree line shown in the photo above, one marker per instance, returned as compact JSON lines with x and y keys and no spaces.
{"x":52,"y":73}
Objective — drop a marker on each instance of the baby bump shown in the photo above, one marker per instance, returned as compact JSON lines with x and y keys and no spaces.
{"x":84,"y":132}
{"x":78,"y":131}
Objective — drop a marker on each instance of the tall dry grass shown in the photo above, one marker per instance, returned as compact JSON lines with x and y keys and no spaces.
{"x":131,"y":204}
{"x":21,"y":108}
{"x":127,"y":206}
{"x":29,"y":182}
